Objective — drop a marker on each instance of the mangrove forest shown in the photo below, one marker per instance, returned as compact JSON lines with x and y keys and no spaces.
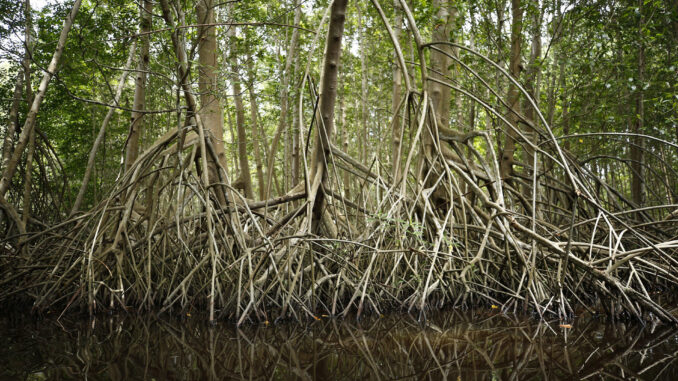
{"x":256,"y":161}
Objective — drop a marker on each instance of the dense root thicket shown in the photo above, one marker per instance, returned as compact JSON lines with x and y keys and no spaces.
{"x":163,"y":240}
{"x":550,"y":238}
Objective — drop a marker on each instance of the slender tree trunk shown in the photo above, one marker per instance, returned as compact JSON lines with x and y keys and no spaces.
{"x":454,"y":70}
{"x":29,"y":124}
{"x":28,"y":175}
{"x":565,"y":105}
{"x":136,"y":126}
{"x":234,"y":154}
{"x":28,"y":56}
{"x":284,"y":41}
{"x":245,"y":180}
{"x":211,"y":112}
{"x":287,"y":158}
{"x":472,"y":109}
{"x":363,"y":88}
{"x":284,"y":91}
{"x":395,"y":101}
{"x":638,"y":143}
{"x":507,"y":160}
{"x":440,"y":95}
{"x":532,"y":85}
{"x":325,"y":125}
{"x":28,"y":179}
{"x":256,"y":138}
{"x":440,"y":63}
{"x":263,"y":144}
{"x":499,"y":77}
{"x":13,"y":121}
{"x":558,"y":20}
{"x":551,"y":98}
{"x":344,"y":143}
{"x":102,"y":132}
{"x":296,"y":164}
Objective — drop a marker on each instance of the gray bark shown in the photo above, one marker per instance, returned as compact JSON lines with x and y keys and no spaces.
{"x":244,"y":182}
{"x":325,"y":116}
{"x":506,"y":168}
{"x":256,"y":138}
{"x":136,"y":126}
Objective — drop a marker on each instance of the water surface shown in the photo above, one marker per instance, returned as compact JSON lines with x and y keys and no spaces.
{"x":453,"y":345}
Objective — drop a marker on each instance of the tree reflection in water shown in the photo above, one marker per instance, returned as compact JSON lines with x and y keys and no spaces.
{"x":451,"y":345}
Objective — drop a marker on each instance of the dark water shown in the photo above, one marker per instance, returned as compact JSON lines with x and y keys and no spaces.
{"x":451,"y":345}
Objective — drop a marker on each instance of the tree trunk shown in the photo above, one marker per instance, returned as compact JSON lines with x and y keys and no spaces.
{"x":211,"y":112}
{"x":395,"y":101}
{"x":245,"y":180}
{"x":136,"y":126}
{"x":284,"y":90}
{"x":472,"y":114}
{"x":532,"y":85}
{"x":557,"y":33}
{"x":638,"y":143}
{"x":28,"y":179}
{"x":183,"y":76}
{"x":551,"y":98}
{"x":363,"y":88}
{"x":507,"y":160}
{"x":440,"y":95}
{"x":500,"y":58}
{"x":28,"y":173}
{"x":325,"y":125}
{"x":440,"y":63}
{"x":13,"y":121}
{"x":565,"y":105}
{"x":29,"y":124}
{"x":344,"y":144}
{"x":256,"y":139}
{"x":229,"y":121}
{"x":296,"y":164}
